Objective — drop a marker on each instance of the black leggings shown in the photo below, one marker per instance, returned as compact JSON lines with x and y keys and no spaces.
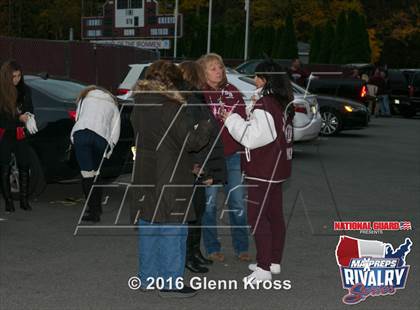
{"x":9,"y":145}
{"x":194,"y":233}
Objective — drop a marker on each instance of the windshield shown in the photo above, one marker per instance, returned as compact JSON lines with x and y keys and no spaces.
{"x":298,"y":89}
{"x":63,"y":90}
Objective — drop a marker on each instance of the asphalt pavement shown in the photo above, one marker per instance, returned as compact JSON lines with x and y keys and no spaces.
{"x":47,"y":261}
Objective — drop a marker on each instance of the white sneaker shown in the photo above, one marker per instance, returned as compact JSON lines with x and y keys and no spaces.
{"x":258,"y":275}
{"x":274,"y":268}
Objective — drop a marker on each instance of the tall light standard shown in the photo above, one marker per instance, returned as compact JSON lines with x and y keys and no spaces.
{"x":209,"y":26}
{"x":246,"y":29}
{"x":176,"y":28}
{"x":10,"y":17}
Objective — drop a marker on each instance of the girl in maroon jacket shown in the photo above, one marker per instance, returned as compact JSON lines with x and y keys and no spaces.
{"x":267,"y":137}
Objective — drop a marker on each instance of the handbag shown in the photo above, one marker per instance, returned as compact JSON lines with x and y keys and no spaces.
{"x":20,"y":133}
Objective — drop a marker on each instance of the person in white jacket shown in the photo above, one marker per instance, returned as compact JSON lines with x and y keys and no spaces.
{"x":94,"y":135}
{"x":267,"y":136}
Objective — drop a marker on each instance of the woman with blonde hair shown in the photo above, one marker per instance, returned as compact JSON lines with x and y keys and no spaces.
{"x":221,"y":95}
{"x":16,"y":121}
{"x":95,"y":134}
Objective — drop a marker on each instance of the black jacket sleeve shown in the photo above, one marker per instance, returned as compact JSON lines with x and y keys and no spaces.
{"x":23,"y":104}
{"x":26,"y":104}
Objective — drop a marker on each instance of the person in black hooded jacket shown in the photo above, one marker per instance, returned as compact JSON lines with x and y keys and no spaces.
{"x":16,"y":121}
{"x":209,"y":162}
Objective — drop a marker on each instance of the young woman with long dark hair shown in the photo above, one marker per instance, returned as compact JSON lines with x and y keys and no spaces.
{"x":267,"y":137}
{"x":16,"y":121}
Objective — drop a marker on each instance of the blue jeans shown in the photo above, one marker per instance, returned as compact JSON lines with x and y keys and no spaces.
{"x":162,"y":249}
{"x":384,"y":107}
{"x":236,"y":209}
{"x":89,"y":148}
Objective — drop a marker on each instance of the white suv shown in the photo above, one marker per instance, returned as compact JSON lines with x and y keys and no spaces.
{"x":306,"y":123}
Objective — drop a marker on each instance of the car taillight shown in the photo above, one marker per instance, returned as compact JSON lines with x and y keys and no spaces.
{"x":72,"y":115}
{"x":300,"y":109}
{"x":122,"y":91}
{"x":363,"y":91}
{"x":411,"y":90}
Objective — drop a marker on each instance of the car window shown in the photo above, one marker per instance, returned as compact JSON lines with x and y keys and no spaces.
{"x":248,"y":68}
{"x":397,"y":78}
{"x":298,"y":89}
{"x":61,"y":89}
{"x":143,"y":73}
{"x":247,"y":80}
{"x":416,"y":79}
{"x":41,"y":100}
{"x":232,"y":71}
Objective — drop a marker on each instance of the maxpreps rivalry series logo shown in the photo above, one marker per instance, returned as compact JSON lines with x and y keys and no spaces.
{"x":371,"y":268}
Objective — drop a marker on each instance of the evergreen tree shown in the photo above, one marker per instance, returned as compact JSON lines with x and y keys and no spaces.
{"x":326,"y":43}
{"x":315,"y":45}
{"x":365,"y":36}
{"x":256,"y":42}
{"x":238,"y":42}
{"x":288,"y":47}
{"x":337,"y":45}
{"x":267,"y":41}
{"x":275,"y":53}
{"x":218,"y":39}
{"x":354,"y":47}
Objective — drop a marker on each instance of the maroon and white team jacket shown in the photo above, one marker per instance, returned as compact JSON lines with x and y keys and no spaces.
{"x":267,"y":137}
{"x":230,"y":98}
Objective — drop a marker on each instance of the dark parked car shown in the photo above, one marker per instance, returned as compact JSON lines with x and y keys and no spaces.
{"x":413,"y":79}
{"x":341,"y":114}
{"x":398,"y":92}
{"x":338,"y":114}
{"x":55,"y":110}
{"x":354,"y":89}
{"x":331,"y":85}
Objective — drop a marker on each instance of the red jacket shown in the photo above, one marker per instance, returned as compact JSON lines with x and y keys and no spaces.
{"x":230,"y":98}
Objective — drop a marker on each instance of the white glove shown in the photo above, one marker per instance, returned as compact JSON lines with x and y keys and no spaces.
{"x":31,"y":124}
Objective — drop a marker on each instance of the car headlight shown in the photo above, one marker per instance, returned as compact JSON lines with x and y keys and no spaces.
{"x":348,"y":108}
{"x":133,"y":151}
{"x":397,"y":101}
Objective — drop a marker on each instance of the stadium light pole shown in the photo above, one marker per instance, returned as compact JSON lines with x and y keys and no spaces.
{"x":176,"y":28}
{"x":246,"y":29}
{"x":10,"y":17}
{"x":209,"y":26}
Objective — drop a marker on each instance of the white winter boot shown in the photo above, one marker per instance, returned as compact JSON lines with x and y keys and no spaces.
{"x":274,"y":268}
